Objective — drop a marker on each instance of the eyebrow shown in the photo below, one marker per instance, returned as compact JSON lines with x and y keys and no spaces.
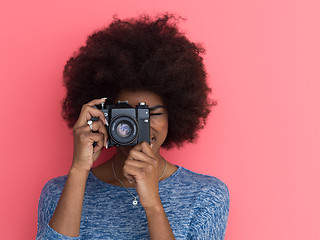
{"x":156,"y":107}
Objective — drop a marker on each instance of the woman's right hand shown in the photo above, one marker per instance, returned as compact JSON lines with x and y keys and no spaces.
{"x":84,"y":154}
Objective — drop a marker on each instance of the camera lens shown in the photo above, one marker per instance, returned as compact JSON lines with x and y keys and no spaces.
{"x":123,"y":129}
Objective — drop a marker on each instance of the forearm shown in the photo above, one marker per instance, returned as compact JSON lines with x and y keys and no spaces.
{"x":67,"y":216}
{"x":158,"y":224}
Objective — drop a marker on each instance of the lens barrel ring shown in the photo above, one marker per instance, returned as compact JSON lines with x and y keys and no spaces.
{"x":114,"y":128}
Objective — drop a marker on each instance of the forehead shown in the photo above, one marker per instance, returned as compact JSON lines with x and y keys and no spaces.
{"x":134,"y":97}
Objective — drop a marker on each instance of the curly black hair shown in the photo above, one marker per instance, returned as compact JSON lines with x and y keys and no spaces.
{"x":142,"y":54}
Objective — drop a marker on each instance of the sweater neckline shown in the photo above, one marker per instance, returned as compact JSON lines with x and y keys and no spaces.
{"x":165,"y":181}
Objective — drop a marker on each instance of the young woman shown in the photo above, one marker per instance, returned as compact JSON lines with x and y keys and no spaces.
{"x":137,"y":193}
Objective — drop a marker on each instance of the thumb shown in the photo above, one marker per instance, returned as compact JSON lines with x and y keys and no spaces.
{"x":96,"y":155}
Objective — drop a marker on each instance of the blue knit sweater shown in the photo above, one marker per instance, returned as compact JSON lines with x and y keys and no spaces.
{"x":196,"y":205}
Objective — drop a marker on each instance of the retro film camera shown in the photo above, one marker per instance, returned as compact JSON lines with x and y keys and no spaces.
{"x":128,"y":126}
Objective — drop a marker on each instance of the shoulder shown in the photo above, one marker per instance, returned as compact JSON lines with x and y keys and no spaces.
{"x":209,"y":188}
{"x":210,"y":205}
{"x":54,"y":186}
{"x":49,"y":197}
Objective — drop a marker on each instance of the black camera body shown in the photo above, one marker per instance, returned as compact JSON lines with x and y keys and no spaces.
{"x":128,"y":126}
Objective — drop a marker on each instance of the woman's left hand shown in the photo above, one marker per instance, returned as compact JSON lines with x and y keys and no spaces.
{"x":142,"y":166}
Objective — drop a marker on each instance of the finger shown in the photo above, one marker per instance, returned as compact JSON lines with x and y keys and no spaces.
{"x":140,"y":156}
{"x":131,"y":173}
{"x":96,"y":126}
{"x":137,"y":164}
{"x":87,"y":139}
{"x":96,"y":102}
{"x":145,"y":148}
{"x":88,"y":111}
{"x":101,"y":128}
{"x":96,"y":155}
{"x":98,"y":138}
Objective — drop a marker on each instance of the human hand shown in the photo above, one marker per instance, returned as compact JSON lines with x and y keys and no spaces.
{"x":141,"y":166}
{"x":84,"y":154}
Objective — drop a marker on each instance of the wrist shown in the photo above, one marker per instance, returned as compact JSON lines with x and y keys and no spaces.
{"x":154,"y":209}
{"x":74,"y":170}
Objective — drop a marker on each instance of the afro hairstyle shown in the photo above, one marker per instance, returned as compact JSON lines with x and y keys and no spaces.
{"x":142,"y":54}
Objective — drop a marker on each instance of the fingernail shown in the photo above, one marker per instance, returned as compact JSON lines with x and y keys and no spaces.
{"x":107,"y":145}
{"x":151,"y":145}
{"x":104,"y":98}
{"x":106,"y":122}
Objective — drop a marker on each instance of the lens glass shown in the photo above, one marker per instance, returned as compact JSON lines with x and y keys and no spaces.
{"x":123,"y":129}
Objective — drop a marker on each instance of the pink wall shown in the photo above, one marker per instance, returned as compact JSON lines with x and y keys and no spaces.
{"x":262,"y":139}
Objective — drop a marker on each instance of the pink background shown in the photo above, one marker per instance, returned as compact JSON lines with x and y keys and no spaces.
{"x":262,"y":139}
